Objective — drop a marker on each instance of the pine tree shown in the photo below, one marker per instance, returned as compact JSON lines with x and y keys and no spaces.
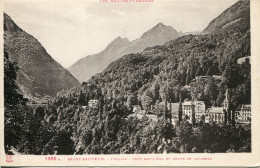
{"x":180,"y":111}
{"x":165,"y":110}
{"x":232,"y":109}
{"x":198,"y":72}
{"x":229,"y":117}
{"x":193,"y":113}
{"x":170,"y":114}
{"x":225,"y":116}
{"x":208,"y":72}
{"x":188,"y":79}
{"x":100,"y":106}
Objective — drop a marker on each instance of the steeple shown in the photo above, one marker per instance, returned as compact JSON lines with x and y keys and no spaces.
{"x":226,"y":101}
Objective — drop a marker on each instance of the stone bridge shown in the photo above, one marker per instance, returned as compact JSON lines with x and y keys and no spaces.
{"x":39,"y":110}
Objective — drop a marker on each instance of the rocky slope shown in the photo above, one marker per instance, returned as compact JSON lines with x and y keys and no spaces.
{"x":39,"y":74}
{"x":90,"y":65}
{"x":236,"y":18}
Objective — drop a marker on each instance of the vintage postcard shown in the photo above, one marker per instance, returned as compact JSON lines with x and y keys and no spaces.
{"x":130,"y":83}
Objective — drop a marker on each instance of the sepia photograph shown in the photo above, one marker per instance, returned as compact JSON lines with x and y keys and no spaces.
{"x":126,"y":78}
{"x":168,"y":91}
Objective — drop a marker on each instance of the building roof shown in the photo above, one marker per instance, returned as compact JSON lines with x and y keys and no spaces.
{"x":214,"y":110}
{"x":246,"y":106}
{"x":188,"y":103}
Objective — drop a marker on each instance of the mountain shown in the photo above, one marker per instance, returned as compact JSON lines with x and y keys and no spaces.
{"x":39,"y":74}
{"x":236,"y":18}
{"x":86,"y":67}
{"x":200,"y":66}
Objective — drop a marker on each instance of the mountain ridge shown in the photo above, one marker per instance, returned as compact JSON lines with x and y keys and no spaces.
{"x":39,"y":75}
{"x":236,"y":17}
{"x":88,"y":66}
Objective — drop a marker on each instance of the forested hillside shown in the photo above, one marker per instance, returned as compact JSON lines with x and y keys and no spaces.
{"x":170,"y":70}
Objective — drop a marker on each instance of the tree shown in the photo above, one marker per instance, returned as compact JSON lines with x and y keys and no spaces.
{"x":199,"y":71}
{"x":193,"y":113}
{"x":131,"y":100}
{"x":147,"y":100}
{"x":232,"y":109}
{"x":184,"y":132}
{"x":180,"y":111}
{"x":65,"y":143}
{"x":11,"y":96}
{"x":208,"y":72}
{"x":210,"y":91}
{"x":170,"y":115}
{"x":101,"y":106}
{"x":188,"y":79}
{"x":81,"y":98}
{"x":13,"y":116}
{"x":231,"y":77}
{"x":225,"y":116}
{"x":155,"y":90}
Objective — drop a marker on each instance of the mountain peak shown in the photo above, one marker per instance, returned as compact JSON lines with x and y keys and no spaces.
{"x":118,"y":40}
{"x":160,"y":24}
{"x":8,"y":22}
{"x":160,"y":29}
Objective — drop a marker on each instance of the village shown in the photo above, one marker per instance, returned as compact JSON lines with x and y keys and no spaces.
{"x":208,"y":115}
{"x":214,"y":114}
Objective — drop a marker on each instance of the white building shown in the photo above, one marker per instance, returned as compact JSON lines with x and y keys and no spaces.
{"x":215,"y":114}
{"x":245,"y":113}
{"x":93,"y":103}
{"x":199,"y":109}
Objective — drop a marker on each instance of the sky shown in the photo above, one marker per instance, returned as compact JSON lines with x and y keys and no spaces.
{"x":70,"y":30}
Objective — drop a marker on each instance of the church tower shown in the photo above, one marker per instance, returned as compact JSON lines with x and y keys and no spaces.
{"x":227,"y":107}
{"x":226,"y":101}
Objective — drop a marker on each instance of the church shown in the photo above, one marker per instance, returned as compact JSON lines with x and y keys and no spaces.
{"x":217,"y":114}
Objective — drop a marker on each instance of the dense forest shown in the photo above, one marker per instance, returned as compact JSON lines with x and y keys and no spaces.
{"x":200,"y":67}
